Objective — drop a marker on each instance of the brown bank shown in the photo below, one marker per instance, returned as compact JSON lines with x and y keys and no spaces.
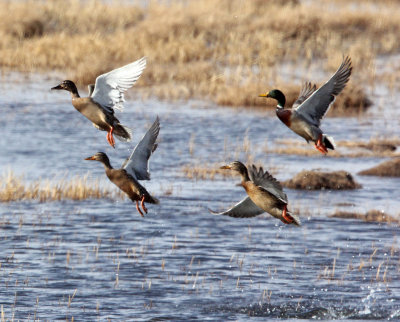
{"x":390,"y":168}
{"x":319,"y":180}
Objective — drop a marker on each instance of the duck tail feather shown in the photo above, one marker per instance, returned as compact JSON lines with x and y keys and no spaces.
{"x":122,"y":132}
{"x":154,"y":200}
{"x":329,"y":142}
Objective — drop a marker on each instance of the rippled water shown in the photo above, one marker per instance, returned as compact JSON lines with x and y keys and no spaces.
{"x":99,"y":259}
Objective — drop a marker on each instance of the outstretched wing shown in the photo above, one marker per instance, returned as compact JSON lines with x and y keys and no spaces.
{"x":317,"y":105}
{"x":110,"y":87}
{"x":137,"y":165}
{"x":305,"y":93}
{"x":243,"y":209}
{"x":266,"y":181}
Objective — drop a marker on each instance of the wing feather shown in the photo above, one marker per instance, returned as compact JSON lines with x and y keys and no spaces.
{"x":110,"y":87}
{"x":266,"y":181}
{"x":317,"y":105}
{"x":243,"y":209}
{"x":137,"y":165}
{"x":305,"y":93}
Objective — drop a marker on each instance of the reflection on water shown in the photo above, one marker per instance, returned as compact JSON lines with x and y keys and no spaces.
{"x":100,"y":259}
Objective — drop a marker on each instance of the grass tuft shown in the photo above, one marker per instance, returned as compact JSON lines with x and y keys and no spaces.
{"x":212,"y":171}
{"x":370,"y":216}
{"x":204,"y":172}
{"x":375,"y":147}
{"x":14,"y":188}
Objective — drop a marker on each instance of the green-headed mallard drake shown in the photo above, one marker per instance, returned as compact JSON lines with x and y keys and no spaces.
{"x":135,"y":168}
{"x":265,"y":194}
{"x":105,"y":96}
{"x":305,"y":116}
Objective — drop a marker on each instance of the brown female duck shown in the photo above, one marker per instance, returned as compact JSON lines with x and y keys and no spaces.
{"x":304,"y":118}
{"x":135,"y":168}
{"x":265,"y":194}
{"x":105,"y":96}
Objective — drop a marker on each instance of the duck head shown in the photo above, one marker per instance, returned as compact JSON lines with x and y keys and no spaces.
{"x":276,"y":94}
{"x":101,"y":157}
{"x":238,"y":167}
{"x":68,"y":86}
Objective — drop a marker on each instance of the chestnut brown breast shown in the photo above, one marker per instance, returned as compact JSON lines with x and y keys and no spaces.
{"x":284,"y":115}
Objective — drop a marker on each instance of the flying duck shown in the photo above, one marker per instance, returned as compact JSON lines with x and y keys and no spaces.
{"x":305,"y":116}
{"x":264,"y":192}
{"x":105,"y":96}
{"x":135,"y":168}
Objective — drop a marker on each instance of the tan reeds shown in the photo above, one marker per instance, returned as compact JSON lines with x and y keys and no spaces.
{"x":226,"y":51}
{"x":375,"y":147}
{"x":371,"y":216}
{"x":204,"y":172}
{"x":211,"y":171}
{"x":14,"y":188}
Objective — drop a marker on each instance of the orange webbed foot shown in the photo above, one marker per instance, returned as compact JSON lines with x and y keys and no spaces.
{"x":320,"y":146}
{"x":321,"y":149}
{"x":143,"y":206}
{"x":287,"y":219}
{"x":138,"y":209}
{"x":110,"y":138}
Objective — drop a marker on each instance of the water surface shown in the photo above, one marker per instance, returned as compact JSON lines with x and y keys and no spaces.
{"x":99,"y":259}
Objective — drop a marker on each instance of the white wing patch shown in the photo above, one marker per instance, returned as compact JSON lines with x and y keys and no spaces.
{"x":110,"y":87}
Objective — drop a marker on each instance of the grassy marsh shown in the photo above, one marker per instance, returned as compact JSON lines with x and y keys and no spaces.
{"x":226,"y":51}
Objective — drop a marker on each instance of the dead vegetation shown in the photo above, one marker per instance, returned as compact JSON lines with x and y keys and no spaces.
{"x":375,"y":147}
{"x":319,"y":180}
{"x":370,"y":216}
{"x":390,"y":168}
{"x":212,"y":171}
{"x":204,"y":172}
{"x":226,"y":51}
{"x":14,"y":188}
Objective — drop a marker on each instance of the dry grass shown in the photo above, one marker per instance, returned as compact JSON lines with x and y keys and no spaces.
{"x":370,"y":216}
{"x":390,"y":168}
{"x":227,"y":51}
{"x":319,"y":180}
{"x":13,"y":188}
{"x":204,"y":172}
{"x":212,"y":171}
{"x":375,"y":147}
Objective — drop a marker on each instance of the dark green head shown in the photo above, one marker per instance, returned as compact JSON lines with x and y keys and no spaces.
{"x":68,"y":86}
{"x":276,"y":94}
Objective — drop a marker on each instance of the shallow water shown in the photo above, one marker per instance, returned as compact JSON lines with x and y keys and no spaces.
{"x":99,"y":259}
